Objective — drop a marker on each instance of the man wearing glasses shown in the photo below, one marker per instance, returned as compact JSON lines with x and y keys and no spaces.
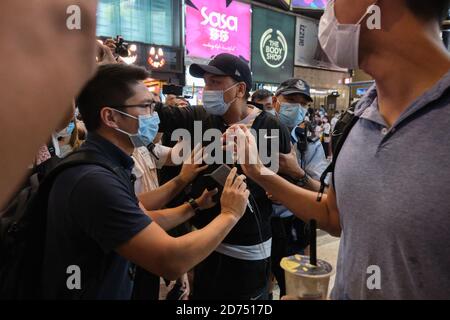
{"x":96,"y":227}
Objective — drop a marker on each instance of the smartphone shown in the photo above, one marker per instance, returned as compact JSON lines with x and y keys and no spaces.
{"x":220,"y":175}
{"x":177,"y":292}
{"x":173,"y":89}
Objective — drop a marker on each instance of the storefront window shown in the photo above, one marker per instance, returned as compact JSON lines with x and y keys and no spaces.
{"x":147,"y":21}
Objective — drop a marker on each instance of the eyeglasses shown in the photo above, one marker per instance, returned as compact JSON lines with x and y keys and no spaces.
{"x":150,"y":105}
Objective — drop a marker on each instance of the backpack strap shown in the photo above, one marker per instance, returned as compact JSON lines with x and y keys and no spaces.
{"x":340,"y":134}
{"x":81,"y":157}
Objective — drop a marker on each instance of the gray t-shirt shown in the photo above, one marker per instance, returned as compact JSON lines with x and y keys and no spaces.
{"x":393,"y":196}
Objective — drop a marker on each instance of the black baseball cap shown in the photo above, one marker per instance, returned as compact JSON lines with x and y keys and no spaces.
{"x":225,"y":64}
{"x":294,"y":86}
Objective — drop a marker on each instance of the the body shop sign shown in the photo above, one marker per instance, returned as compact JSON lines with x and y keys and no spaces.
{"x":213,"y":27}
{"x":272,"y":46}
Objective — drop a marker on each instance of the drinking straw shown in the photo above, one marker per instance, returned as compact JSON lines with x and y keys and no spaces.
{"x":313,"y":242}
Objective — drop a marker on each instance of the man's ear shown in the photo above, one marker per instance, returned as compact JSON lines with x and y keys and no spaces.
{"x":276,"y":104}
{"x":242,"y":90}
{"x":108,"y":117}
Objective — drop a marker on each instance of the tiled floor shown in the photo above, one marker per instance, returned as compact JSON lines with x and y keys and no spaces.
{"x":327,"y":249}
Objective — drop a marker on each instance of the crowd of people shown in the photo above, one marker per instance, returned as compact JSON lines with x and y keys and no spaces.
{"x":143,"y":216}
{"x":316,"y":121}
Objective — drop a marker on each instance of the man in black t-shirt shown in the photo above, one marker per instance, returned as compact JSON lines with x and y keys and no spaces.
{"x":240,"y":267}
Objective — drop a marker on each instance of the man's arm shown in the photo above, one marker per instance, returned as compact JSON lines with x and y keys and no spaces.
{"x":315,"y":164}
{"x":303,"y":203}
{"x":289,"y":166}
{"x":157,"y":252}
{"x":158,"y":198}
{"x":170,"y":218}
{"x":172,"y":118}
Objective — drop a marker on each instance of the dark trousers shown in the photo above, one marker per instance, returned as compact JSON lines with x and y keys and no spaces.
{"x":326,"y":148}
{"x":220,"y":277}
{"x":283,"y":245}
{"x":146,"y":285}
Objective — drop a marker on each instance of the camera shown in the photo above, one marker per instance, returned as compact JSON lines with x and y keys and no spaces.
{"x":173,"y":89}
{"x":121,"y":47}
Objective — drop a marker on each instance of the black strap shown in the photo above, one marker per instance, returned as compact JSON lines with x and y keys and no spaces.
{"x":151,"y":149}
{"x":348,"y":122}
{"x":81,"y":157}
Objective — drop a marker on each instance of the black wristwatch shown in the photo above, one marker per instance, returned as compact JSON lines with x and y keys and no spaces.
{"x":302,"y":182}
{"x":194,"y":205}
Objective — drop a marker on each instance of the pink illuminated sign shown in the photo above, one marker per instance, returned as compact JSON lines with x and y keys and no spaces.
{"x":212,"y":27}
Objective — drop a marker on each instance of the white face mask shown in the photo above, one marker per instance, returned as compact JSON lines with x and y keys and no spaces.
{"x":340,"y":41}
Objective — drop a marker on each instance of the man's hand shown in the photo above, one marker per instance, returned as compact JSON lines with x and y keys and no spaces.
{"x":192,"y":166}
{"x":205,"y":201}
{"x":245,"y":151}
{"x":185,"y":287}
{"x":235,"y":195}
{"x":289,"y":165}
{"x":104,"y":54}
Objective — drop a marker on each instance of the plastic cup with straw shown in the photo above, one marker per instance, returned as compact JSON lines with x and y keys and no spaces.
{"x":306,"y":277}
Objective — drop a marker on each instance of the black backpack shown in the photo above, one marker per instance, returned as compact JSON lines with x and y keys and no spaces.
{"x":339,"y":135}
{"x":23,"y":228}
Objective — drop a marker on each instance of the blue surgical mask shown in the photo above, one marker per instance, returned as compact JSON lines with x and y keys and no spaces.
{"x":292,"y":114}
{"x":214,"y":103}
{"x":272,"y":112}
{"x":70,"y":128}
{"x":148,"y":128}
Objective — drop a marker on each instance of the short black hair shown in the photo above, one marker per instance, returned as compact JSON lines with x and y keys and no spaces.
{"x":111,"y":86}
{"x":261,"y":94}
{"x":429,"y":10}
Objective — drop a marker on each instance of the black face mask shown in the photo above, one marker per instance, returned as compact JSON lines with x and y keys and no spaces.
{"x":258,"y":105}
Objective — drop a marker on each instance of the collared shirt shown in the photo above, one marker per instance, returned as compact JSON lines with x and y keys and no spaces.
{"x":313,"y":162}
{"x":146,"y":166}
{"x":91,"y":212}
{"x":392,"y":189}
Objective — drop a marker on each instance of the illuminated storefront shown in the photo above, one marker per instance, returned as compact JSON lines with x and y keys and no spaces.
{"x":309,"y":4}
{"x":153,"y":31}
{"x":214,"y":27}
